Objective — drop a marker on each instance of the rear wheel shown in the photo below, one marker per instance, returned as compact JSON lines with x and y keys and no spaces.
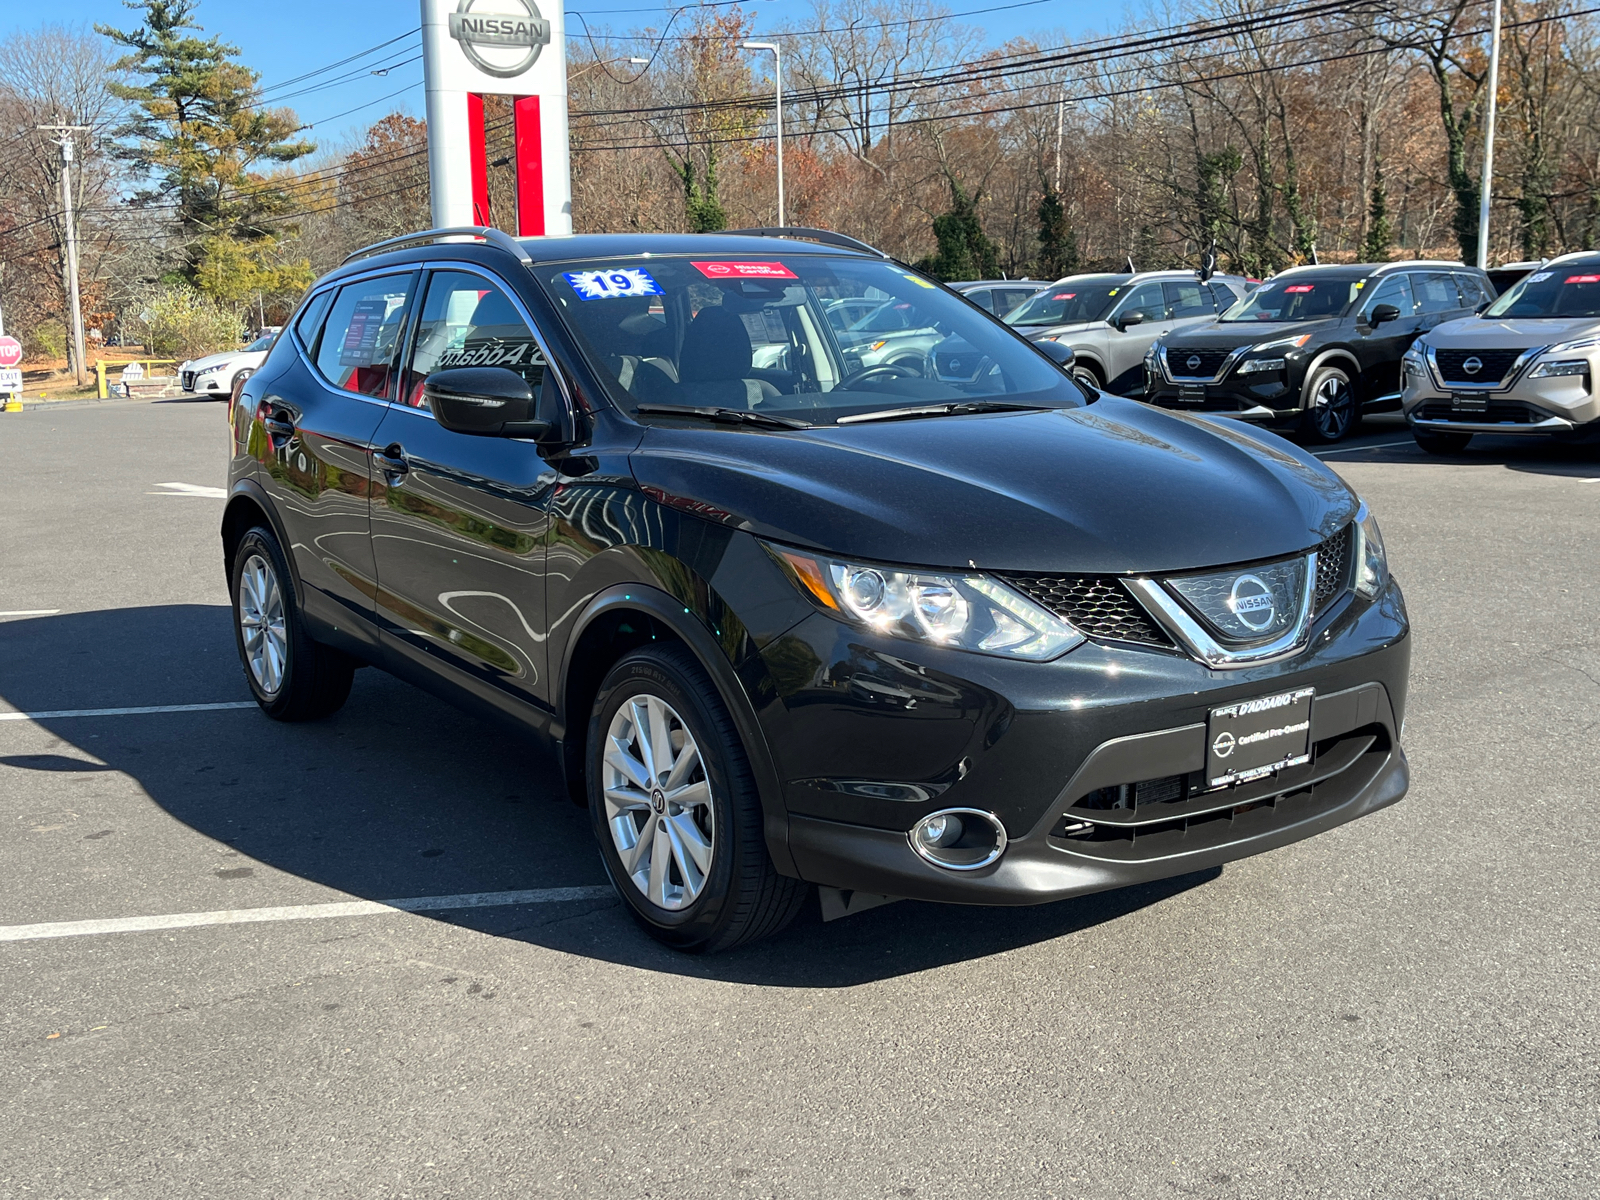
{"x":1331,"y":409}
{"x":675,"y":808}
{"x":1437,"y":441}
{"x":292,"y":677}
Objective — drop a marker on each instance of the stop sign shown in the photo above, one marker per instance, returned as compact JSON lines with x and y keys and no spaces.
{"x":10,"y":352}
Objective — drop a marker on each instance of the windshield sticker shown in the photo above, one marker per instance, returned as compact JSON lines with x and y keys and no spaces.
{"x":1063,"y":295}
{"x":609,"y":285}
{"x":1299,"y":287}
{"x":1113,"y":291}
{"x":744,"y":270}
{"x":1583,"y":278}
{"x":1540,"y":277}
{"x":917,"y":279}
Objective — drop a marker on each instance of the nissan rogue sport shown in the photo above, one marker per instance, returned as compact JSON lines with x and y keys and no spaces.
{"x":1525,"y":366}
{"x":806,"y":624}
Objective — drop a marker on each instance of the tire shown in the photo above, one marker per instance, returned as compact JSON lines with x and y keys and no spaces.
{"x":1438,"y":441}
{"x":292,"y":677}
{"x":1332,"y":411}
{"x":1088,"y":376}
{"x":703,"y":882}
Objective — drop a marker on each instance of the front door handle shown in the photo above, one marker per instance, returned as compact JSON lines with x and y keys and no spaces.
{"x":392,"y":462}
{"x":278,"y":425}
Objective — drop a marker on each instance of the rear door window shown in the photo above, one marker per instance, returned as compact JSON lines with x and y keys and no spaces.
{"x":1185,"y":299}
{"x":358,"y":346}
{"x":1007,"y":302}
{"x":1226,"y":298}
{"x":1472,"y":289}
{"x":1436,"y":292}
{"x":982,"y":297}
{"x":468,"y":321}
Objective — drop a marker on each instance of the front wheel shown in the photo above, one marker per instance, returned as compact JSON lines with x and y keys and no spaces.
{"x":1331,"y":409}
{"x":292,"y":677}
{"x":675,"y":808}
{"x":1438,"y":441}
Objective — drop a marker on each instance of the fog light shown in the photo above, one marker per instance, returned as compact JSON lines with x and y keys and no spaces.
{"x":959,"y":839}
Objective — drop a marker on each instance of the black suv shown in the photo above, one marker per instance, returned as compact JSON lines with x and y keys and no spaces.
{"x":1312,"y":347}
{"x":805,"y":622}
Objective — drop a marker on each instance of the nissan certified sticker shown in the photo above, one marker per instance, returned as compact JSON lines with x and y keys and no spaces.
{"x":611,"y":285}
{"x":744,"y":270}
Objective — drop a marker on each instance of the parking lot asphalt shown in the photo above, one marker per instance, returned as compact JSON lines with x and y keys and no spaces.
{"x":1402,"y":1007}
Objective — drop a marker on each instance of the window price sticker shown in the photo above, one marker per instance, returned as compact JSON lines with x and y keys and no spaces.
{"x":609,"y":285}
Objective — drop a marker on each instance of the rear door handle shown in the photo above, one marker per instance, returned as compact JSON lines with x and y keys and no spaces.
{"x":391,"y":460}
{"x":278,"y":425}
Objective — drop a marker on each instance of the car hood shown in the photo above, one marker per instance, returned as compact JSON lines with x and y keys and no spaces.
{"x":1229,"y":334}
{"x":1505,"y":333}
{"x":1034,"y":332}
{"x":1114,"y":487}
{"x":242,"y":357}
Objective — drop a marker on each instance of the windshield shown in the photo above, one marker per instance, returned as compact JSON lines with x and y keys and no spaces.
{"x":808,"y":337}
{"x":1069,"y":302}
{"x":1296,"y":299}
{"x":1568,"y":291}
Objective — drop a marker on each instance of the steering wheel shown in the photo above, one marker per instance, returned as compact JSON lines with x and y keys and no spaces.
{"x":855,"y":377}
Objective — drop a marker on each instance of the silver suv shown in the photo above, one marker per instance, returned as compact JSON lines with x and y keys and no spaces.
{"x":1525,"y":365}
{"x":1109,"y":321}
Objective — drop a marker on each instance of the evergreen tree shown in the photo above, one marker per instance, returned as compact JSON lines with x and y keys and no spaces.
{"x":1379,"y":234}
{"x":1058,"y":241}
{"x":700,"y":203}
{"x":964,"y":251}
{"x":196,"y":132}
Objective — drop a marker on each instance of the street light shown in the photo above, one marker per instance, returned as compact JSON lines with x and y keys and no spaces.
{"x":777,"y":75}
{"x":1488,"y":143}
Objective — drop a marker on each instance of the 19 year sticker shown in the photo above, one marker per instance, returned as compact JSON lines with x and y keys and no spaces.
{"x":609,"y":285}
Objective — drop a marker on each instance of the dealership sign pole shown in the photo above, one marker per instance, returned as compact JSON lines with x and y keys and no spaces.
{"x":477,"y":48}
{"x":1488,"y":142}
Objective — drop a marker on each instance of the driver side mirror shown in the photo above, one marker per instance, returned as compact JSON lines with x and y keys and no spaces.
{"x":1136,"y":317}
{"x":488,"y":402}
{"x":1382,"y":313}
{"x":1062,"y":356}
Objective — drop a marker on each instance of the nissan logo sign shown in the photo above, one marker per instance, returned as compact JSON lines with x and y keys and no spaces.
{"x":500,"y":37}
{"x":1251,"y":601}
{"x":1192,"y":362}
{"x":1472,"y":366}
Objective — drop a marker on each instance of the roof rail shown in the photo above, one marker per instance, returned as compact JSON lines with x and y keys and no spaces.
{"x":826,"y":236}
{"x":483,"y":233}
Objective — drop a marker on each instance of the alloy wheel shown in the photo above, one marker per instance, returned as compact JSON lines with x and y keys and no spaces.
{"x":262,"y":623}
{"x":658,"y":802}
{"x":1334,"y":405}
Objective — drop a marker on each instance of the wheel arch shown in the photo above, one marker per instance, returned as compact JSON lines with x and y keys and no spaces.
{"x":1333,"y":356}
{"x":247,"y":507}
{"x":623,"y":617}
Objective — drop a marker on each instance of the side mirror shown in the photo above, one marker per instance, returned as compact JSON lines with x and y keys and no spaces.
{"x":1062,"y":356}
{"x":1382,"y":313}
{"x":1483,"y":304}
{"x":1136,"y":317}
{"x":487,"y":401}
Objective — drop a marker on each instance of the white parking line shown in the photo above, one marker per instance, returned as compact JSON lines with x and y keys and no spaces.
{"x":31,"y":612}
{"x":190,"y":489}
{"x":1377,"y":446}
{"x":299,"y":912}
{"x":57,"y":714}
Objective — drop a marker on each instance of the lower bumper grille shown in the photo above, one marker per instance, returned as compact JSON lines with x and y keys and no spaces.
{"x":1495,"y":412}
{"x":187,"y":380}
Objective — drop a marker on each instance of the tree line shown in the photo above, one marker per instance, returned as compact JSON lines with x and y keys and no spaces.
{"x":1268,"y":132}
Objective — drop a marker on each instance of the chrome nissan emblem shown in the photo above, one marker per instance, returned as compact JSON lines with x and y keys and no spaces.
{"x":658,"y":800}
{"x":500,"y":37}
{"x":1192,"y":362}
{"x":1473,"y":365}
{"x":1223,"y":746}
{"x":1251,"y":601}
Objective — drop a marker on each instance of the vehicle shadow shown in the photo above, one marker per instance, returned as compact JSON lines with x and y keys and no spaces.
{"x":1535,"y":456}
{"x":401,"y":795}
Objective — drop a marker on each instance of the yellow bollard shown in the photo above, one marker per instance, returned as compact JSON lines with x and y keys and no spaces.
{"x":100,"y":379}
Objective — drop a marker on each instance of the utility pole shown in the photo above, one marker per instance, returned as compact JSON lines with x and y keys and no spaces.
{"x":63,"y":139}
{"x":1488,"y":142}
{"x":777,"y":75}
{"x":1061,"y":112}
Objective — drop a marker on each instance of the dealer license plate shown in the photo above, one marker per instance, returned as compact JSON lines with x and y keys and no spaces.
{"x":1467,"y":402}
{"x":1253,"y":738}
{"x":1192,"y":395}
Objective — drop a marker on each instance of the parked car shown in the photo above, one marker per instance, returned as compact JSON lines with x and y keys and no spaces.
{"x":823,"y":625}
{"x":1526,"y":365}
{"x":1110,"y":321}
{"x":217,"y":374}
{"x":1314,"y":346}
{"x":1502,"y":278}
{"x":999,"y":296}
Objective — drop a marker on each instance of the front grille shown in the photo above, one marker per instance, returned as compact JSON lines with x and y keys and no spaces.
{"x":1333,"y":568}
{"x":1495,"y":364}
{"x":1097,"y":606}
{"x":187,"y":380}
{"x":1211,"y":360}
{"x":1495,"y":412}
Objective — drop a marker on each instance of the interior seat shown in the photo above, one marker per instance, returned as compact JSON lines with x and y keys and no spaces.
{"x":715,"y":362}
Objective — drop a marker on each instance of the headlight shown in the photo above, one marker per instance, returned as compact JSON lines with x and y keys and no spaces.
{"x":1570,"y":367}
{"x":218,"y":367}
{"x":1251,"y":365}
{"x":1413,"y":355}
{"x":1372,"y":565}
{"x":965,"y":611}
{"x":1588,"y":343}
{"x":1288,"y":343}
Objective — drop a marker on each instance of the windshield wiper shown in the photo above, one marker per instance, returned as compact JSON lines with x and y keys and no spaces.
{"x":730,"y":416}
{"x":950,"y":409}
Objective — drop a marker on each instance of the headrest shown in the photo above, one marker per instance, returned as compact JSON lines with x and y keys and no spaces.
{"x":715,"y":347}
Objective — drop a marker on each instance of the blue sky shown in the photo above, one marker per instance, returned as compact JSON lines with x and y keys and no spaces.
{"x":284,"y":39}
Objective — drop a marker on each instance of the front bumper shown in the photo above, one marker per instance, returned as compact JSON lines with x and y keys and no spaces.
{"x":214,"y":383}
{"x":1562,"y":406}
{"x":884,"y":733}
{"x":1267,"y":397}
